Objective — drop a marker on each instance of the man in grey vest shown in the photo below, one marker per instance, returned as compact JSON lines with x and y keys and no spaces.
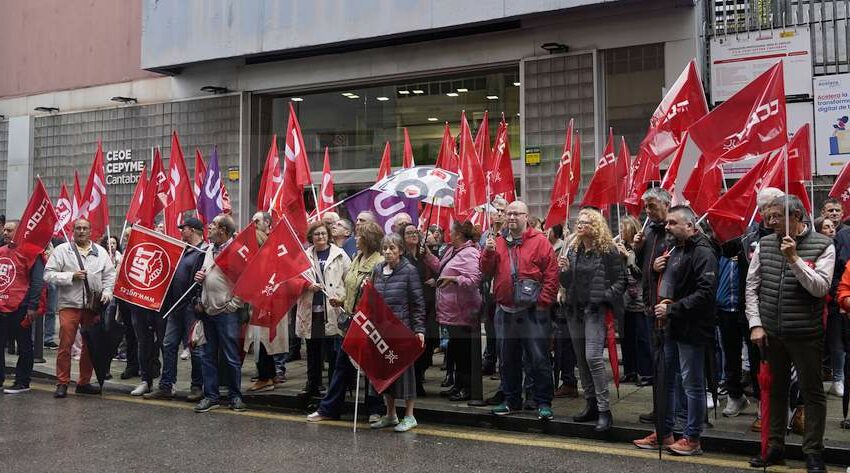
{"x":789,"y":275}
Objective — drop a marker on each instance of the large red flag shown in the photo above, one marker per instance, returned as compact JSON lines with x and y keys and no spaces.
{"x":180,"y":197}
{"x":326,"y":196}
{"x":841,"y":188}
{"x":623,"y":170}
{"x":562,"y":196}
{"x":77,"y":199}
{"x":482,"y":140}
{"x":703,"y":188}
{"x":644,"y":170}
{"x":289,"y":198}
{"x":37,"y":223}
{"x":407,"y":160}
{"x":280,"y":259}
{"x":447,"y":157}
{"x":602,"y":190}
{"x":731,"y":213}
{"x":500,"y":171}
{"x":471,"y":188}
{"x":156,"y":191}
{"x":148,"y":266}
{"x":271,"y":178}
{"x":64,"y":213}
{"x":138,"y":197}
{"x":385,"y":168}
{"x":775,"y":176}
{"x":95,"y":206}
{"x":378,"y":342}
{"x":235,"y":257}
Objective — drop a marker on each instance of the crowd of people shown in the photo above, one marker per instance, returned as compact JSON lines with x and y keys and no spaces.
{"x":680,"y":299}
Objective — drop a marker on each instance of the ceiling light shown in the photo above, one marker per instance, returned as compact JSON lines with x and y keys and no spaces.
{"x":555,"y":48}
{"x":297,"y":99}
{"x":463,"y":90}
{"x":452,"y":94}
{"x":516,"y":84}
{"x":433,"y":119}
{"x":418,"y":91}
{"x":492,"y":97}
{"x":404,"y":92}
{"x":382,"y":99}
{"x":47,"y":109}
{"x":214,"y":89}
{"x":347,"y":94}
{"x":124,"y":99}
{"x":353,"y":96}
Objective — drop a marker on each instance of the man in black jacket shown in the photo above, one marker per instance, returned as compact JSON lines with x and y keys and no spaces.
{"x":182,"y":317}
{"x":685,"y":307}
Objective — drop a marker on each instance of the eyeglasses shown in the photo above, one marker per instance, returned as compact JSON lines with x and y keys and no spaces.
{"x":414,"y":232}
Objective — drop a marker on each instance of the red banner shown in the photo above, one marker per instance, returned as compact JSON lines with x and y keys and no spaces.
{"x":148,"y":267}
{"x":234,"y":258}
{"x":378,"y":342}
{"x":37,"y":224}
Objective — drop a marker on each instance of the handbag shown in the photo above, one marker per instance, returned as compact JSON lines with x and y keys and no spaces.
{"x":526,"y":291}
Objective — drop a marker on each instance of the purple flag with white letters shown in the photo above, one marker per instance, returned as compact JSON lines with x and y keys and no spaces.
{"x":384,"y":205}
{"x":210,"y":201}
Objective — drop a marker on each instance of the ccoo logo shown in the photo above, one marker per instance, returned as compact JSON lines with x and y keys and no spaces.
{"x":146,"y":266}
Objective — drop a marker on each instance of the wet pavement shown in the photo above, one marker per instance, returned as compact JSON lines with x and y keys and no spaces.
{"x":117,"y":433}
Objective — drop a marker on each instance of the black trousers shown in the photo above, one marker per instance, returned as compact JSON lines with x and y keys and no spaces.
{"x":148,"y":326}
{"x":265,"y":364}
{"x":320,"y":350}
{"x":130,"y":345}
{"x":460,"y":347}
{"x":734,"y":331}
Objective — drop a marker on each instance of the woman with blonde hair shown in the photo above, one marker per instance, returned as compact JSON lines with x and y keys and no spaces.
{"x":592,"y":272}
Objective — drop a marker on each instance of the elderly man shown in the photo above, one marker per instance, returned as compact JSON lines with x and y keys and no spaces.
{"x":76,"y":285}
{"x":341,"y":231}
{"x":330,"y":218}
{"x":789,"y":276}
{"x":263,"y":223}
{"x":221,"y":322}
{"x":22,"y":279}
{"x":363,"y":217}
{"x":525,"y":284}
{"x":401,"y":220}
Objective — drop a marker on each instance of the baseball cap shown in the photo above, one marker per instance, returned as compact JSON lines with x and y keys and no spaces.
{"x":191,"y":222}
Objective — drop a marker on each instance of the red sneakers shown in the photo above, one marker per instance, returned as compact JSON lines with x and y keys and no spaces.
{"x":685,"y":447}
{"x":650,"y":442}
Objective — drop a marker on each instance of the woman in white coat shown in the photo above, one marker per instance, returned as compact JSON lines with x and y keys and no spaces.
{"x":316,"y":319}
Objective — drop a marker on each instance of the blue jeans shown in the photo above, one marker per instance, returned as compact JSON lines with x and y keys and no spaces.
{"x":690,"y":359}
{"x":50,"y":314}
{"x":10,"y":328}
{"x":525,"y":332}
{"x":221,"y":330}
{"x":344,"y":372}
{"x":177,"y":328}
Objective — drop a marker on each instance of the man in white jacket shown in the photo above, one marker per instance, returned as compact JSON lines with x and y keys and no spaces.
{"x":75,"y":286}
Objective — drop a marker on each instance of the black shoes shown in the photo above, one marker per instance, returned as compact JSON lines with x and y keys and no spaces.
{"x":774,"y":456}
{"x":86,"y":389}
{"x":814,"y":463}
{"x":460,"y":395}
{"x":589,"y":413}
{"x":449,"y":380}
{"x":496,"y":399}
{"x":647,"y":418}
{"x":61,"y":391}
{"x":604,"y":422}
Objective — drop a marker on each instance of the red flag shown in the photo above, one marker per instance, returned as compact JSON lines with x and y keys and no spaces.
{"x":77,"y":202}
{"x":226,"y":206}
{"x":280,"y":259}
{"x":703,"y":188}
{"x":731,"y":214}
{"x":482,"y":140}
{"x":37,"y":223}
{"x":669,"y":181}
{"x":407,"y":160}
{"x":148,"y":266}
{"x":271,"y":178}
{"x":138,"y":197}
{"x":155,"y":193}
{"x":287,"y":296}
{"x":447,"y":158}
{"x":235,"y":257}
{"x":295,"y":150}
{"x":289,"y":198}
{"x":96,"y":207}
{"x":623,"y":170}
{"x":644,"y":170}
{"x":841,"y":188}
{"x":500,"y":171}
{"x":562,"y":192}
{"x":64,"y":213}
{"x":602,"y":190}
{"x":180,"y":197}
{"x":385,"y":169}
{"x":378,"y":342}
{"x":471,"y":188}
{"x":200,"y":172}
{"x":326,"y":197}
{"x":775,"y":176}
{"x":15,"y":281}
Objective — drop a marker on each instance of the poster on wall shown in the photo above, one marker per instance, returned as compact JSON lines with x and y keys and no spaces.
{"x":738,"y":59}
{"x":832,"y":122}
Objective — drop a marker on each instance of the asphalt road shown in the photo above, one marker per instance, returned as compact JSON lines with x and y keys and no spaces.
{"x":123,"y":434}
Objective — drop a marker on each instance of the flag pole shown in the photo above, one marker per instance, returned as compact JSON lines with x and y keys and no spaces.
{"x":173,"y":306}
{"x":316,"y":202}
{"x":356,"y":398}
{"x":785,"y":150}
{"x":123,"y":229}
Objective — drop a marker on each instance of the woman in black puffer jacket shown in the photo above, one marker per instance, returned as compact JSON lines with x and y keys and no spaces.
{"x":399,"y":284}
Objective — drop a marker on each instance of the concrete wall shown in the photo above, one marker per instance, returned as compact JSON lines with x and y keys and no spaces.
{"x":4,"y":144}
{"x":187,"y":31}
{"x":50,"y":45}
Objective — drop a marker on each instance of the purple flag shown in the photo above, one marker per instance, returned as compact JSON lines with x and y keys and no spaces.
{"x":210,"y":201}
{"x":384,"y":205}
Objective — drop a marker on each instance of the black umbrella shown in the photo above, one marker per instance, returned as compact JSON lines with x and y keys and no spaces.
{"x":711,"y":379}
{"x":845,"y":401}
{"x":659,"y":387}
{"x":102,"y":338}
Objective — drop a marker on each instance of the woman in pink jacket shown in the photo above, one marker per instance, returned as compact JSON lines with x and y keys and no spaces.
{"x":459,"y":300}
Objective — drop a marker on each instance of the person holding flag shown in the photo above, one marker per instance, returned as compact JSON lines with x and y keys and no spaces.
{"x":593,"y":275}
{"x":21,"y":281}
{"x":84,"y":275}
{"x":220,"y":315}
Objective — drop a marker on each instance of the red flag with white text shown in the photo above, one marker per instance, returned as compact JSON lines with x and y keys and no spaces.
{"x":562,"y":195}
{"x":296,"y":174}
{"x":482,"y":140}
{"x":95,"y":207}
{"x":37,"y":223}
{"x":500,"y":171}
{"x":180,"y":197}
{"x":64,"y":213}
{"x":235,"y":257}
{"x":76,"y":199}
{"x":471,"y":188}
{"x":378,"y":342}
{"x":271,"y":179}
{"x":326,"y":195}
{"x":147,"y":268}
{"x":200,"y":173}
{"x":155,"y":194}
{"x":602,"y":190}
{"x":138,"y":197}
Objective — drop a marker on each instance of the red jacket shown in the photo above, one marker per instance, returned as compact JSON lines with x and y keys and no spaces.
{"x":536,"y":260}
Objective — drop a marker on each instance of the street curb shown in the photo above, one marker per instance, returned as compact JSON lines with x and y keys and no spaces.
{"x":725,"y":442}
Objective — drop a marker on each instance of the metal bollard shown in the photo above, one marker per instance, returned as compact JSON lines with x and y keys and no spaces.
{"x":38,"y":341}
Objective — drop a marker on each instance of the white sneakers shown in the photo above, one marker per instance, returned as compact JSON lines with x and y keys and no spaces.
{"x":735,"y":406}
{"x":709,"y":401}
{"x":142,"y":389}
{"x":837,"y":389}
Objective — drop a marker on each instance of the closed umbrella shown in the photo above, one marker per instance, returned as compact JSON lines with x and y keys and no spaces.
{"x":611,"y":343}
{"x":659,"y":387}
{"x":102,"y":337}
{"x":765,"y":380}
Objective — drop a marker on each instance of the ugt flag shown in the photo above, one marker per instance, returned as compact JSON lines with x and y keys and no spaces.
{"x":384,"y":205}
{"x":378,"y":342}
{"x":148,"y":267}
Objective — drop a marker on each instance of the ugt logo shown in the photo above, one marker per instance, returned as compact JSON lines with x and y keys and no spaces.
{"x":147,"y":266}
{"x":7,"y":273}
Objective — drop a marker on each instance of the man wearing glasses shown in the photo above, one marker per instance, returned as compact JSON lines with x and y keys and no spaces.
{"x":525,"y":284}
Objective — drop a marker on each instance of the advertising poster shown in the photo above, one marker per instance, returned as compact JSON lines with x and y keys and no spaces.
{"x":832,"y":130}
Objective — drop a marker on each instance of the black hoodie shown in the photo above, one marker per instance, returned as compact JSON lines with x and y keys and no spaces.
{"x":691,"y":315}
